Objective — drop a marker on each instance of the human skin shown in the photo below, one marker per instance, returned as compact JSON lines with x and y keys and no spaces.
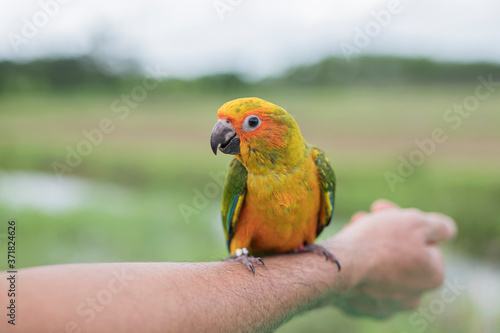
{"x":389,"y":258}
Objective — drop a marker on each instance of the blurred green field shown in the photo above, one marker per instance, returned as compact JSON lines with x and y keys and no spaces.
{"x":158,"y":157}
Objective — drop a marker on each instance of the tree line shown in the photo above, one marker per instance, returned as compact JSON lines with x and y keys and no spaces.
{"x":88,"y":73}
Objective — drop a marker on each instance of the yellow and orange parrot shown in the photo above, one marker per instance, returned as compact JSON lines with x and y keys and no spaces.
{"x":279,"y":192}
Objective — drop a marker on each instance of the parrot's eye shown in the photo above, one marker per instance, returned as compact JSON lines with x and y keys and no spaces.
{"x":251,"y":123}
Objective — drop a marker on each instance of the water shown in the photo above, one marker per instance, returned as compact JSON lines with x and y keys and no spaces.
{"x":47,"y":194}
{"x":482,"y":286}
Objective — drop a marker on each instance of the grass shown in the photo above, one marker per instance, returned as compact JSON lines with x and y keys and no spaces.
{"x":160,"y":154}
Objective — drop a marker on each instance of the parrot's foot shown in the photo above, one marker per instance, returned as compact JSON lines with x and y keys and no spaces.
{"x":241,"y":255}
{"x":315,"y":248}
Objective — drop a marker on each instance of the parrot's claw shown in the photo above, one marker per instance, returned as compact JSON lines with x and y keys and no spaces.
{"x":315,"y":248}
{"x":243,"y":257}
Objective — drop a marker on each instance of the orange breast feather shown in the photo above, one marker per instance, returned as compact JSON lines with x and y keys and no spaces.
{"x":280,"y":213}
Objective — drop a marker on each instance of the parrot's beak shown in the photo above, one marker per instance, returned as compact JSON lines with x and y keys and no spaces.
{"x":225,"y":138}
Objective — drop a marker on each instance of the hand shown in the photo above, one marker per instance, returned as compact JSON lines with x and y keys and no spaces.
{"x":393,"y":258}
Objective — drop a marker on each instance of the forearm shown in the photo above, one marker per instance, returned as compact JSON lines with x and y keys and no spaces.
{"x":146,"y":297}
{"x":389,"y":258}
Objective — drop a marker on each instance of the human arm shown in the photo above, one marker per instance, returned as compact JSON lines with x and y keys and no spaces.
{"x":388,"y":259}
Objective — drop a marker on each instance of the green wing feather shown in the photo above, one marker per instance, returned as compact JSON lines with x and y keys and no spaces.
{"x":327,"y":182}
{"x":233,"y":197}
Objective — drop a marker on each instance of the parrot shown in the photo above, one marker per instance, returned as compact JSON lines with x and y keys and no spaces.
{"x":279,"y":191}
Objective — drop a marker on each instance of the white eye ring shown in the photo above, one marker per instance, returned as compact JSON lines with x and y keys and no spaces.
{"x":251,"y":123}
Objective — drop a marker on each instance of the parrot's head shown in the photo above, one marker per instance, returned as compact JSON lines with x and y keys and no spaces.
{"x":263,"y":136}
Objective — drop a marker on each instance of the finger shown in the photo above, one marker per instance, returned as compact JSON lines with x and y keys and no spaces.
{"x":382,"y":204}
{"x":435,"y":275}
{"x":442,"y":227}
{"x":410,"y":304}
{"x":357,"y":216}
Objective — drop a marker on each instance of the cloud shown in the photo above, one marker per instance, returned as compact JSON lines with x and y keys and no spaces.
{"x":257,"y":38}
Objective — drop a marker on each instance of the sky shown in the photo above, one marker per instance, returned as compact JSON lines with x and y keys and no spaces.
{"x":256,"y":38}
